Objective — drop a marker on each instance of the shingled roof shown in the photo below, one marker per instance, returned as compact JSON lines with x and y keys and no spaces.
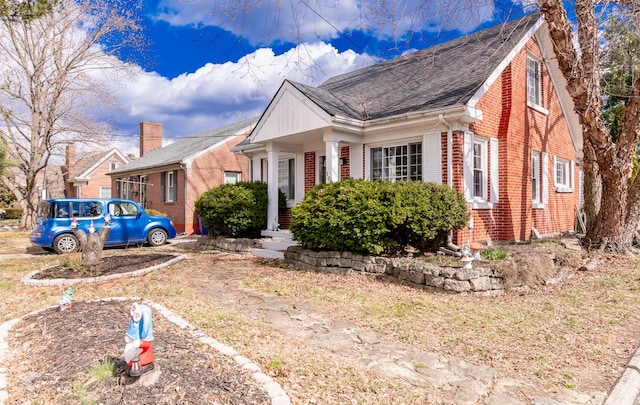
{"x":185,"y":148}
{"x":444,"y":75}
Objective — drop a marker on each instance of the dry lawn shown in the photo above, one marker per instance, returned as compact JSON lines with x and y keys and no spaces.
{"x":578,"y":334}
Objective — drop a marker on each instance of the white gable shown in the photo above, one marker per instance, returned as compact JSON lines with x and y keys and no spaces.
{"x":290,"y":112}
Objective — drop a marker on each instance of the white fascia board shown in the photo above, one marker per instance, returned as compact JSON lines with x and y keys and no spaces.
{"x":503,"y":65}
{"x":87,"y":173}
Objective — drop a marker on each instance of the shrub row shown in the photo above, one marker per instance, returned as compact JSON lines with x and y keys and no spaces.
{"x":13,"y":213}
{"x":377,"y":217}
{"x":238,"y":210}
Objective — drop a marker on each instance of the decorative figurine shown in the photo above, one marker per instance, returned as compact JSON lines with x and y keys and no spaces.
{"x":138,"y":351}
{"x":66,"y":300}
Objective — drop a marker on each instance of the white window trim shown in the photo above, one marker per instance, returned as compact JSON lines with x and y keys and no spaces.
{"x":536,"y":106}
{"x":168,"y":192}
{"x":536,"y":202}
{"x":563,"y":188}
{"x":476,"y":202}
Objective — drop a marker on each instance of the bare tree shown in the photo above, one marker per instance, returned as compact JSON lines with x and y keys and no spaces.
{"x":612,"y":196}
{"x":48,"y":84}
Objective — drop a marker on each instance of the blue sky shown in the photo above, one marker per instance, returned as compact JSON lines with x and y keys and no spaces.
{"x":207,"y":65}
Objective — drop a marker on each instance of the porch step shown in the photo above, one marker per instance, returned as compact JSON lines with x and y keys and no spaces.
{"x":274,"y":244}
{"x":267,"y":254}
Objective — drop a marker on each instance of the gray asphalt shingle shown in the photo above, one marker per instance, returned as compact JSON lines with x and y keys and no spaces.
{"x":185,"y":147}
{"x":444,"y":75}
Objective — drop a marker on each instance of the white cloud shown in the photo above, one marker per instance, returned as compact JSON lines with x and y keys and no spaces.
{"x":217,"y":94}
{"x":266,"y":21}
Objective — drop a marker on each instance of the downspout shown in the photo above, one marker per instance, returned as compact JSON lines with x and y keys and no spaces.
{"x":184,"y":169}
{"x":449,"y":149}
{"x":449,"y":243}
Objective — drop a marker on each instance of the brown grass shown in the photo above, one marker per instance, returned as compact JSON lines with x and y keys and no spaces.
{"x":578,"y":334}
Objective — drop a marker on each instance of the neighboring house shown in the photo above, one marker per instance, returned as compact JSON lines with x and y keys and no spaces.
{"x":170,"y":179}
{"x":86,"y":177}
{"x":487,"y":114}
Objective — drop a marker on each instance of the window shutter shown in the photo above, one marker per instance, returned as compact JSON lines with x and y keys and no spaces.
{"x":572,"y":166}
{"x":175,"y":185}
{"x":495,"y":171}
{"x":163,"y":183}
{"x":545,"y":178}
{"x":468,"y":165}
{"x":432,"y":159}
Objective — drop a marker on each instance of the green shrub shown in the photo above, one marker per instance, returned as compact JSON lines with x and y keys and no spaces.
{"x":375,"y":217}
{"x":238,"y":210}
{"x":13,"y":213}
{"x":155,"y":213}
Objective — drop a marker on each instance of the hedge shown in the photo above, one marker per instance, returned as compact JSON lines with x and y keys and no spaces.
{"x":377,"y":217}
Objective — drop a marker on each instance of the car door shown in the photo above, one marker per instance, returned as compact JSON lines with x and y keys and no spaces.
{"x":125,"y":224}
{"x":86,"y":213}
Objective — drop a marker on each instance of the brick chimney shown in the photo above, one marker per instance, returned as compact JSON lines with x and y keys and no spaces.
{"x":70,"y":158}
{"x":69,"y":168}
{"x":150,"y":137}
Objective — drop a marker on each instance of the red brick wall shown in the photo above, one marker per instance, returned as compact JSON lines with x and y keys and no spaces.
{"x":520,"y":130}
{"x":309,"y":171}
{"x":345,"y":170}
{"x":206,"y":172}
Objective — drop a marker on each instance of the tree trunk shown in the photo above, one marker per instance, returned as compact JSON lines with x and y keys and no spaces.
{"x":92,"y":244}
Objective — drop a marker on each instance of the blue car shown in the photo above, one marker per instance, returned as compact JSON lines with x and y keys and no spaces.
{"x":130,"y":224}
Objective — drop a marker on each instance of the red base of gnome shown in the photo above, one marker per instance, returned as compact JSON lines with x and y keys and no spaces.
{"x":138,"y":339}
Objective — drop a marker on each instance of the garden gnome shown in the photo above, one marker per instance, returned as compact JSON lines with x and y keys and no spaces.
{"x":67,"y":299}
{"x":138,"y":351}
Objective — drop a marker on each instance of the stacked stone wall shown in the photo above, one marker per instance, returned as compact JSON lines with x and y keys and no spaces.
{"x":414,"y":272}
{"x":227,"y":244}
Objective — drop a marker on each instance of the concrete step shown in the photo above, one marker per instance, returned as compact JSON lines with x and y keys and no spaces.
{"x":267,"y":254}
{"x":277,"y":244}
{"x":283,"y":234}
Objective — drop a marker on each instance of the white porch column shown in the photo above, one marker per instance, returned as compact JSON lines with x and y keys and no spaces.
{"x":272,"y":186}
{"x":333,"y":161}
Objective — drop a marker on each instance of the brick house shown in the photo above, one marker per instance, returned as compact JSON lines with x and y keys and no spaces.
{"x":86,"y":177}
{"x":170,"y":179}
{"x":487,"y":114}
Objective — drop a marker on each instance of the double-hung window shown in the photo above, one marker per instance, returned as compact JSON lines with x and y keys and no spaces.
{"x":563,"y":175}
{"x":286,"y":177}
{"x":169,"y":186}
{"x":479,"y":169}
{"x":535,"y":177}
{"x":533,"y":81}
{"x":394,"y":163}
{"x":232,"y":177}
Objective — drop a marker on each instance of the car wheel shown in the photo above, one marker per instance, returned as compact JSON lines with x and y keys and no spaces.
{"x":65,"y":243}
{"x":157,"y":237}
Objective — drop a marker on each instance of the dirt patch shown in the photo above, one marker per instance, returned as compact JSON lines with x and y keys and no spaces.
{"x":54,"y":356}
{"x":72,"y":266}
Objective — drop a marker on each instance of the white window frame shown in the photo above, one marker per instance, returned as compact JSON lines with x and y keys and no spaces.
{"x":480,"y":167}
{"x":564,"y":185}
{"x":103,"y":189}
{"x":170,"y":185}
{"x":113,"y":166}
{"x":232,"y":177}
{"x":536,"y":196}
{"x":534,"y":84}
{"x":414,"y":161}
{"x":286,"y":173}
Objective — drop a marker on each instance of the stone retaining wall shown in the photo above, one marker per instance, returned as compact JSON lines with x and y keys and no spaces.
{"x":416,"y":272}
{"x":206,"y":242}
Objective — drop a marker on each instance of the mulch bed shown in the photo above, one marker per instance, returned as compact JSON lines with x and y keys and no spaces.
{"x":116,"y":264}
{"x":52,"y":355}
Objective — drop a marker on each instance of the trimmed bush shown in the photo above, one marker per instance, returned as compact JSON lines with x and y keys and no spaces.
{"x":13,"y":213}
{"x":237,"y":210}
{"x":155,"y":213}
{"x":375,"y":217}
